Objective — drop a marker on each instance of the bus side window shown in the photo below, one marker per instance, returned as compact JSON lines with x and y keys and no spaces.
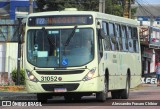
{"x":105,"y":27}
{"x":118,"y":37}
{"x":112,"y":36}
{"x":124,"y":38}
{"x":135,"y":39}
{"x":130,"y":39}
{"x":107,"y":45}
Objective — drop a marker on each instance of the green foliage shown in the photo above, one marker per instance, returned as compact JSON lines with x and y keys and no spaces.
{"x":21,"y":76}
{"x":133,"y":11}
{"x":115,"y":7}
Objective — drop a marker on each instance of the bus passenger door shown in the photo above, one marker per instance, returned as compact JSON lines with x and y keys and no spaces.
{"x":100,"y":49}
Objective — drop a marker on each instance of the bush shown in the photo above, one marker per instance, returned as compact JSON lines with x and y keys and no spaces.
{"x":21,"y":76}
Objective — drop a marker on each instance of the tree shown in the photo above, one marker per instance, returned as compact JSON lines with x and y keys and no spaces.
{"x":21,"y":76}
{"x":114,"y":7}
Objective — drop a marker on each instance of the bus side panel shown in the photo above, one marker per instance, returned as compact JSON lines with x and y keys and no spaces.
{"x":136,"y":78}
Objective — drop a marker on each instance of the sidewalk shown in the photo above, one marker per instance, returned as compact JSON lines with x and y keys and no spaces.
{"x":17,"y":96}
{"x":146,"y":87}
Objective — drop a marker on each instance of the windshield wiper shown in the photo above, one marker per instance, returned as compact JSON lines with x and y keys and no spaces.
{"x":70,"y":36}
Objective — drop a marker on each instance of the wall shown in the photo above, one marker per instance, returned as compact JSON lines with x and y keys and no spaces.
{"x":8,"y":61}
{"x":11,"y":57}
{"x":2,"y":63}
{"x":2,"y":57}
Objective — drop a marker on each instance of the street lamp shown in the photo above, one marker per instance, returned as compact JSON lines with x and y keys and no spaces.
{"x":19,"y":50}
{"x":19,"y":16}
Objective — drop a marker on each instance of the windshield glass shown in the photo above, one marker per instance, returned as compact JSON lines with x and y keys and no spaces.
{"x":47,"y":47}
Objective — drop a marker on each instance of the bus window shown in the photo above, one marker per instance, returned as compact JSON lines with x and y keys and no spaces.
{"x":118,"y":37}
{"x":130,"y":39}
{"x":50,"y":47}
{"x":124,"y":38}
{"x":107,"y":44}
{"x":112,"y":36}
{"x":105,"y":27}
{"x":135,"y":39}
{"x":41,"y":40}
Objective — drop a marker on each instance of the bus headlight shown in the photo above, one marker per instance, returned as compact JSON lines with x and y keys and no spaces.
{"x":90,"y":74}
{"x":31,"y":76}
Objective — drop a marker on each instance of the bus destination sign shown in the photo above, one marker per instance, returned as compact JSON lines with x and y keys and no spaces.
{"x":60,"y":20}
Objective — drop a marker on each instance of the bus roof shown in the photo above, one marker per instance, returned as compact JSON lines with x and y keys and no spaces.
{"x":97,"y":15}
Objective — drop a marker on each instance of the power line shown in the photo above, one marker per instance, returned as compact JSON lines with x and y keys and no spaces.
{"x":153,"y":6}
{"x":144,"y":9}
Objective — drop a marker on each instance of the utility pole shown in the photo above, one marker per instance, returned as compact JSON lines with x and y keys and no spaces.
{"x":30,"y":6}
{"x":19,"y":50}
{"x":102,"y":6}
{"x":127,"y":9}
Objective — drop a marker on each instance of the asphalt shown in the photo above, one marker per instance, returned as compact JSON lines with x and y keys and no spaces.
{"x":17,"y":96}
{"x":25,"y":96}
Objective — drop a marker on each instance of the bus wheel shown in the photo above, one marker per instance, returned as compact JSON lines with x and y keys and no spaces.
{"x":125,"y":92}
{"x":42,"y":97}
{"x":115,"y":94}
{"x":101,"y":96}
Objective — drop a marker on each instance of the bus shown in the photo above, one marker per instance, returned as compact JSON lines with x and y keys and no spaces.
{"x":74,"y":53}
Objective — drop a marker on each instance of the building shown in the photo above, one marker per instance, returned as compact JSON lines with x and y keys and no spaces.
{"x":149,"y":19}
{"x":10,"y":10}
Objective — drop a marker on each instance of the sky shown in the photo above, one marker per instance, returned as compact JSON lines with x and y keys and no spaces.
{"x":149,"y":1}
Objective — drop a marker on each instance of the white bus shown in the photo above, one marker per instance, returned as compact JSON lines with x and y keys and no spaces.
{"x":81,"y":53}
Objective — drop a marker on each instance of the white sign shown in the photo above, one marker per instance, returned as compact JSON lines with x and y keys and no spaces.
{"x":149,"y":80}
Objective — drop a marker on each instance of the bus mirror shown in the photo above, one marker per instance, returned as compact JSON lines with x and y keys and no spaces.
{"x":101,"y":34}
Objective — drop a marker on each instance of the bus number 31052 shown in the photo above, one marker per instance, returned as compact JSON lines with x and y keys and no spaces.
{"x":49,"y":78}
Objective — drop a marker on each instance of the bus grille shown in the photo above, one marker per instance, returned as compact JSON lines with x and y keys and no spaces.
{"x":69,"y":87}
{"x":65,"y":72}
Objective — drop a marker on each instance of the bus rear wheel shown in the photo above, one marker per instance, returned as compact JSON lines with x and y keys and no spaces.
{"x":115,"y":94}
{"x":125,"y":92}
{"x":101,"y":96}
{"x":122,"y":94}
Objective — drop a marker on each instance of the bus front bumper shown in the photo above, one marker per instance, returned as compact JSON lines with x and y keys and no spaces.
{"x":93,"y":85}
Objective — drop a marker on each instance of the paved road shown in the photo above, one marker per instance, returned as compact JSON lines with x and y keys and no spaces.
{"x":146,"y":94}
{"x":16,"y":96}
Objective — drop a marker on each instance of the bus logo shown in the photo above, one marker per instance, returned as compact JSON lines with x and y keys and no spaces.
{"x":64,"y":61}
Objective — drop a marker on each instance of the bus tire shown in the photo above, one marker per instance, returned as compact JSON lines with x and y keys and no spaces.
{"x":115,"y":94}
{"x":42,"y":97}
{"x":101,"y":96}
{"x":125,"y":92}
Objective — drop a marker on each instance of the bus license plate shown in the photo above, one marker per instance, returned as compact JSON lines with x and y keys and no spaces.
{"x":60,"y":90}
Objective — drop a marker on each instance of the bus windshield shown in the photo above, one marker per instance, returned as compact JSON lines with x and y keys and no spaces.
{"x":46,"y":47}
